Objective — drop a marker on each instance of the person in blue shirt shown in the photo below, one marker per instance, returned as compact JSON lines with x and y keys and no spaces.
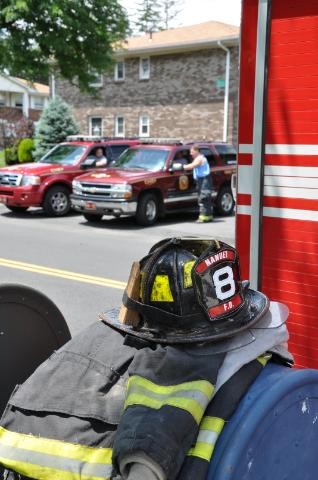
{"x":202,"y":175}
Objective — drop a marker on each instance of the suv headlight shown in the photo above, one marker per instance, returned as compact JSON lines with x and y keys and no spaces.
{"x":121,"y":191}
{"x":77,"y":187}
{"x":30,"y":180}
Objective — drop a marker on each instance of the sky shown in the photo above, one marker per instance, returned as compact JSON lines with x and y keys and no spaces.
{"x":198,"y":11}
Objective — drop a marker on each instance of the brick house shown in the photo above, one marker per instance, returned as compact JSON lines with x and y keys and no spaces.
{"x":173,"y":83}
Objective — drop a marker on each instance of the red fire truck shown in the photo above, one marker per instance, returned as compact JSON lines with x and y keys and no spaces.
{"x":277,"y":175}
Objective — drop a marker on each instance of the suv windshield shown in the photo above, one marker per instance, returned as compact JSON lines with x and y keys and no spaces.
{"x":63,"y":154}
{"x":145,"y":159}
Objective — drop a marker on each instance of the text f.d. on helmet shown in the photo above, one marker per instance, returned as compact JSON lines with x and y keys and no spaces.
{"x":190,"y":291}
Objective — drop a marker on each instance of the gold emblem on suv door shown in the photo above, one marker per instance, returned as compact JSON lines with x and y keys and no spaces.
{"x":183,"y":182}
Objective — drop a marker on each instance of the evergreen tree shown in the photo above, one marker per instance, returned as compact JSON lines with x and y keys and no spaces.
{"x":148,"y":18}
{"x":56,"y":122}
{"x":152,"y":16}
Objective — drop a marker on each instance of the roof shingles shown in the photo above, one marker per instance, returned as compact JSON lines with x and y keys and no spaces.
{"x":207,"y":31}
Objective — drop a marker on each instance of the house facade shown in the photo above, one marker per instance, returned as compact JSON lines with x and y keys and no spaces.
{"x":19,"y":98}
{"x":180,"y":83}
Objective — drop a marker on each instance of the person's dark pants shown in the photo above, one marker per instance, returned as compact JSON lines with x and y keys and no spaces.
{"x":205,"y":196}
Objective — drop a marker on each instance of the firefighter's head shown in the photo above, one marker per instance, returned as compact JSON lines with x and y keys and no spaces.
{"x":190,"y":291}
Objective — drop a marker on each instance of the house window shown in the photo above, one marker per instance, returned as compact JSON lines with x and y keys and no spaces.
{"x":144,"y":126}
{"x":144,"y":68}
{"x":119,"y":126}
{"x":18,"y":101}
{"x":95,"y":126}
{"x":38,"y":103}
{"x":120,"y":71}
{"x":97,"y":80}
{"x":2,"y":100}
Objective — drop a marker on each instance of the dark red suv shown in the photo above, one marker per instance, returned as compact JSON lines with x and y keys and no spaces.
{"x":144,"y":183}
{"x":47,"y":183}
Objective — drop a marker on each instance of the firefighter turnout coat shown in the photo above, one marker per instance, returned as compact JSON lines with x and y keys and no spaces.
{"x":105,"y":401}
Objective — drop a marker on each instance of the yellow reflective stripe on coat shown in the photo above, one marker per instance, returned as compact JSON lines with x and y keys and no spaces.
{"x":210,"y":429}
{"x":264,"y":358}
{"x":44,"y":459}
{"x":192,"y":397}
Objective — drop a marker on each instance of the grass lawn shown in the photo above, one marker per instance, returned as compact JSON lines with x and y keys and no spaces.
{"x":2,"y":164}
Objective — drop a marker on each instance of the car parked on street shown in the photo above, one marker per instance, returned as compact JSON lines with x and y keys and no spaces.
{"x":143,"y":182}
{"x":47,"y":183}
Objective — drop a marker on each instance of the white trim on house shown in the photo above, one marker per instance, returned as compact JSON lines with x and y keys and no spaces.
{"x":119,"y":126}
{"x":144,"y":125}
{"x":93,"y":129}
{"x":230,"y":41}
{"x":117,"y":76}
{"x":144,"y":68}
{"x":98,"y":82}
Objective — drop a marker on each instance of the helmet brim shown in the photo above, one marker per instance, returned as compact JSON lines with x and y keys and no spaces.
{"x":255,"y":306}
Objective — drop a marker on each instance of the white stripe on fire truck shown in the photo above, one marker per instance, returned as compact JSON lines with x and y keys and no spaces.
{"x":243,"y":209}
{"x":285,"y":192}
{"x":290,"y":182}
{"x":290,"y":171}
{"x":291,"y":213}
{"x":281,"y":149}
{"x":287,"y":213}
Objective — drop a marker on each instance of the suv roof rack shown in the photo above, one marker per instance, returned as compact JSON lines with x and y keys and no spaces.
{"x":204,"y":140}
{"x":83,"y":138}
{"x":165,"y":141}
{"x":96,"y":138}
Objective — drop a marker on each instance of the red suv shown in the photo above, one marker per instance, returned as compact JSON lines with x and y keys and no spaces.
{"x":144,"y":183}
{"x":47,"y":183}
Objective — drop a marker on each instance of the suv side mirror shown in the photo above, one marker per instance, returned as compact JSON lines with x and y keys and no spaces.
{"x":176,"y":167}
{"x":88,"y":162}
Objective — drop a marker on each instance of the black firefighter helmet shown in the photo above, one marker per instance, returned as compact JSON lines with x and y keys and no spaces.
{"x":190,"y":292}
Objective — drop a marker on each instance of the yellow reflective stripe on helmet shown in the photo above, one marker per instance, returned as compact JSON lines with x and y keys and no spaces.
{"x":192,"y":397}
{"x":210,"y":429}
{"x":43,"y":459}
{"x":161,"y":291}
{"x":264,"y":358}
{"x":187,"y":268}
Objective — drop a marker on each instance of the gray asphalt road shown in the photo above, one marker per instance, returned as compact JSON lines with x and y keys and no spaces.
{"x":77,"y":264}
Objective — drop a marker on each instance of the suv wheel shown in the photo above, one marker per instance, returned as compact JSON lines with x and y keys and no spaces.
{"x":90,"y":217}
{"x":147,"y":210}
{"x":17,"y":209}
{"x":57,"y":201}
{"x":225,"y":201}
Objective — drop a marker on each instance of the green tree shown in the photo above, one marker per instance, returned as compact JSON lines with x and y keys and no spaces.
{"x":71,"y":37}
{"x":147,"y":17}
{"x":55,"y":123}
{"x":155,"y":15}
